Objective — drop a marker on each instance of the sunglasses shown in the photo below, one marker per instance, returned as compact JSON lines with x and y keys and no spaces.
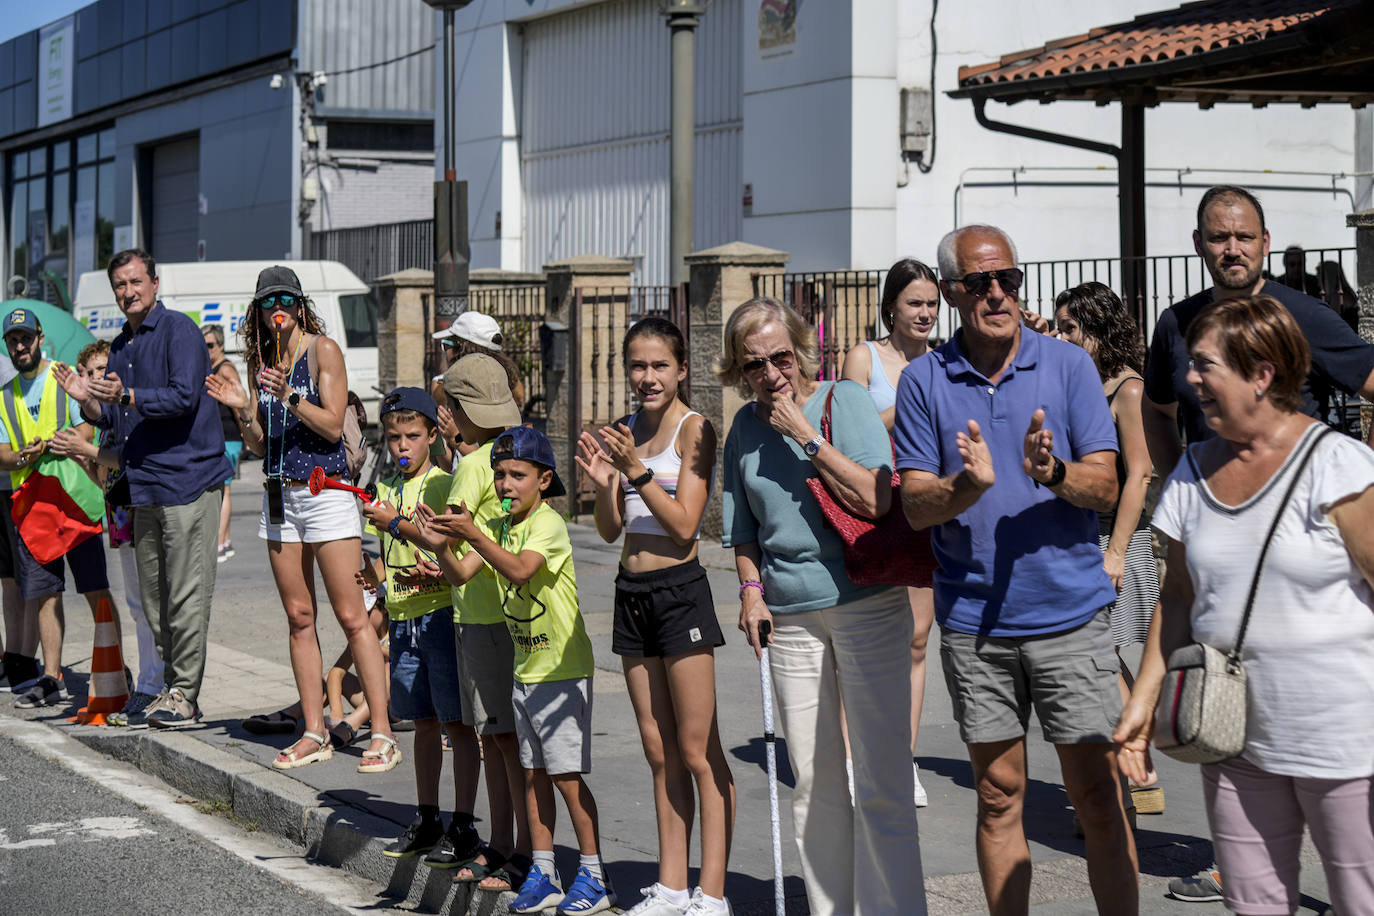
{"x":285,"y":300}
{"x":781,"y":360}
{"x":978,"y":284}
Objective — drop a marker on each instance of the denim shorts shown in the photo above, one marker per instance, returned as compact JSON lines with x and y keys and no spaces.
{"x":1069,"y":677}
{"x":424,"y":668}
{"x":86,"y":561}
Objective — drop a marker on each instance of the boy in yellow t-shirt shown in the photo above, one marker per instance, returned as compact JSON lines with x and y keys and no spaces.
{"x":531,"y":553}
{"x":424,"y":659}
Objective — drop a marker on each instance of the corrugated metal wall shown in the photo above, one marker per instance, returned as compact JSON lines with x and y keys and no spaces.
{"x":594,"y":133}
{"x":342,"y":34}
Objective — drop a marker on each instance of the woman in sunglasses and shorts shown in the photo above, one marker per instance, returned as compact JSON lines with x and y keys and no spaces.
{"x":296,"y":425}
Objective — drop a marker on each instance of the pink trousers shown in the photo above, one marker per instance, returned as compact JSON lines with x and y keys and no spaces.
{"x":1257,"y":819}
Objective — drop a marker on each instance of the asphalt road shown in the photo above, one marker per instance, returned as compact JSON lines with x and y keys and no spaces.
{"x":69,"y":843}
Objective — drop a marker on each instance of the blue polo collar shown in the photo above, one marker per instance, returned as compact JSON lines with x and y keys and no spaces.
{"x":957,"y":363}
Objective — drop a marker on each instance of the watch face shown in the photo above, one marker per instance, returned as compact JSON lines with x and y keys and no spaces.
{"x":812,"y":448}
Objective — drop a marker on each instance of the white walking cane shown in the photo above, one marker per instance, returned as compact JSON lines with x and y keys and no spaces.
{"x":771,"y":750}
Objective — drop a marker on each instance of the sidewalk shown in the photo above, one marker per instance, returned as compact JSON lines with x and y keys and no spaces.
{"x":344,"y":818}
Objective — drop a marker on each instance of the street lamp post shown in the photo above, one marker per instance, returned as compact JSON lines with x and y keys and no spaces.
{"x":450,"y":200}
{"x":683,"y":17}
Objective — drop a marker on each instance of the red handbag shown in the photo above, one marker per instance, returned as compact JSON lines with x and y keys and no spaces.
{"x":882,"y":551}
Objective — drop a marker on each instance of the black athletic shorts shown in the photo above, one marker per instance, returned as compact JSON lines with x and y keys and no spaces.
{"x":9,"y":538}
{"x":664,"y":613}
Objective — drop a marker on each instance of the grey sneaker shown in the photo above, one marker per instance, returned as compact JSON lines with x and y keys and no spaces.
{"x":135,"y":712}
{"x":175,"y":712}
{"x":1203,"y":887}
{"x":47,"y":691}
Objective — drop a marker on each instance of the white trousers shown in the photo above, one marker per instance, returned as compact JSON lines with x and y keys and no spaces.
{"x":149,"y":662}
{"x":864,"y":858}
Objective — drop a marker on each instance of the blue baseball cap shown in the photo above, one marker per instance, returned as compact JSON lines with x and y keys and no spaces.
{"x":409,"y":398}
{"x":23,"y":319}
{"x":528,"y":444}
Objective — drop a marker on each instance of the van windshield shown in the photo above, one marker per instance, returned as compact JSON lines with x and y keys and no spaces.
{"x":359,"y":319}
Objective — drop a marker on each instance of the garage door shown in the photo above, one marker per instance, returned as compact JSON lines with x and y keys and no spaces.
{"x":175,"y":222}
{"x":594,"y":134}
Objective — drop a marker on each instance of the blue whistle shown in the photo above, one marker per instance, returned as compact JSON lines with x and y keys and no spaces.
{"x":404,"y":461}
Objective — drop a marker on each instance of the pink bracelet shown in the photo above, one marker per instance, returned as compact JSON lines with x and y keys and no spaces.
{"x":751,"y":583}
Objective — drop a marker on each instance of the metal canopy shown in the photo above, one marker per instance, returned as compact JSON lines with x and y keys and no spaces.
{"x":1256,"y":52}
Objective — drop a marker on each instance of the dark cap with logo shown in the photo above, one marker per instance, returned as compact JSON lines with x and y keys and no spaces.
{"x":526,"y":444}
{"x":410,"y":398}
{"x":22,"y":319}
{"x":278,"y":280}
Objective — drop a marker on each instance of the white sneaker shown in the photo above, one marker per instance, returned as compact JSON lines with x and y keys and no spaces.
{"x":654,"y":904}
{"x":700,"y":906}
{"x":922,"y":799}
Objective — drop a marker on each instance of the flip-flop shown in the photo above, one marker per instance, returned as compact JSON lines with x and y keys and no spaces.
{"x":285,"y":760}
{"x":479,"y":870}
{"x":274,"y":723}
{"x":513,"y":872}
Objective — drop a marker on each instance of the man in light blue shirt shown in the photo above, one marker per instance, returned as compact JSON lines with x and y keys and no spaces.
{"x":1007,"y":451}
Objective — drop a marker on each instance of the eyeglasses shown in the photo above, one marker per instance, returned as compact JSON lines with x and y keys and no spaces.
{"x":781,"y":360}
{"x":978,"y":284}
{"x":285,"y":300}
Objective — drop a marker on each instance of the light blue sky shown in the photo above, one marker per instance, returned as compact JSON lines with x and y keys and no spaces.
{"x":20,"y":16}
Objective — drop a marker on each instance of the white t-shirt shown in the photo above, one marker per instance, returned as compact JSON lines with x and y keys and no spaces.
{"x":1309,"y":651}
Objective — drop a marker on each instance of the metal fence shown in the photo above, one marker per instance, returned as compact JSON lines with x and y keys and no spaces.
{"x":519,"y":310}
{"x":375,"y":251}
{"x":843,"y":304}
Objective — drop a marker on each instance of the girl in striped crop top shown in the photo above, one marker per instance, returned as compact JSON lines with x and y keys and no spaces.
{"x":652,"y":472}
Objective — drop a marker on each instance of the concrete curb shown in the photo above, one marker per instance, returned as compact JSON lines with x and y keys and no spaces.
{"x":333,"y":832}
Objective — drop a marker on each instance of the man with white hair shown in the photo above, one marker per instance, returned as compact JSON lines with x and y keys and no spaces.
{"x":1021,"y":596}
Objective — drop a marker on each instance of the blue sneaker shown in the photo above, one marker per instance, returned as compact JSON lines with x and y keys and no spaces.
{"x":586,"y":895}
{"x":537,"y":894}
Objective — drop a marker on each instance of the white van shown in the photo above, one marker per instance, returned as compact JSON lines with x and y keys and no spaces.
{"x":220,"y":292}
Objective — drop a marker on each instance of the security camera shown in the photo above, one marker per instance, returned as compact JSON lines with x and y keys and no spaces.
{"x":276,"y":81}
{"x":320,"y":78}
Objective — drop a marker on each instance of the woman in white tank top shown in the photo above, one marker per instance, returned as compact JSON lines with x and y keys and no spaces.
{"x":652,"y":472}
{"x":910,"y":303}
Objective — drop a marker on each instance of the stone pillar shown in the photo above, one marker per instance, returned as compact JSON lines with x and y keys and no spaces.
{"x":561,"y":281}
{"x":722,"y":279}
{"x":1363,"y":224}
{"x":402,"y":332}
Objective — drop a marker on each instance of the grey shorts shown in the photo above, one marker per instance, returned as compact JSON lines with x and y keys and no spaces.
{"x":553,"y":721}
{"x":1069,"y":677}
{"x":486,"y":676}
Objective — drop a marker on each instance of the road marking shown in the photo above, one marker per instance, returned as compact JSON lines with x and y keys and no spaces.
{"x":86,"y":830}
{"x":353,"y":895}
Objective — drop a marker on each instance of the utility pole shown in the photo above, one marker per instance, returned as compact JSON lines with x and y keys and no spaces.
{"x":450,"y":200}
{"x":683,"y":17}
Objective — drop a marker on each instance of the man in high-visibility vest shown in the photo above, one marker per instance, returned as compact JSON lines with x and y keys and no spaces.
{"x":32,"y":408}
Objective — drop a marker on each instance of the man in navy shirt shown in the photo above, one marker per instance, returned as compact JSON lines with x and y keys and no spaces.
{"x":1021,"y":595}
{"x":153,"y":402}
{"x":1233,"y":242}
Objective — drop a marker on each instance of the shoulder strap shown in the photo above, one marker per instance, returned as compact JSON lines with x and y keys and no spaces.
{"x":11,"y":413}
{"x":1122,"y":384}
{"x":1233,"y":660}
{"x":825,"y":414}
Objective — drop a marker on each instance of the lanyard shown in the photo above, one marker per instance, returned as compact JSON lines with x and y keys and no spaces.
{"x":281,"y":449}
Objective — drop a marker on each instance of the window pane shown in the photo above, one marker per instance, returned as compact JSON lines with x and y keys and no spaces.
{"x":19,"y":165}
{"x":83,"y":222}
{"x":19,"y":233}
{"x":38,"y":160}
{"x":85,"y":183}
{"x":360,"y":319}
{"x":107,"y":144}
{"x":104,"y":215}
{"x":61,"y":155}
{"x":60,"y":216}
{"x":85,"y":148}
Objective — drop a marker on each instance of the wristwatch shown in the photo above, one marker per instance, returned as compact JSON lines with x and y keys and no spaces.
{"x":126,"y":399}
{"x":813,"y":448}
{"x":642,"y":479}
{"x":1057,"y":475}
{"x":293,"y":398}
{"x":393,"y":527}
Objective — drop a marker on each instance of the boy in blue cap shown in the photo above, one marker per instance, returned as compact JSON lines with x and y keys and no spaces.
{"x":531,"y":553}
{"x":424,"y":656}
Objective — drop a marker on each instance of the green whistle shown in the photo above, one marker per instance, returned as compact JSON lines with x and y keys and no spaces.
{"x":505,"y":504}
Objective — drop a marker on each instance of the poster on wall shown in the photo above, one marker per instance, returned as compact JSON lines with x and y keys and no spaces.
{"x":123,"y":238}
{"x":777,"y":28}
{"x":56,"y":54}
{"x":83,"y":230}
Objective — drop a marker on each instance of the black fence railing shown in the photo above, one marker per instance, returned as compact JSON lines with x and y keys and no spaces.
{"x":375,"y":251}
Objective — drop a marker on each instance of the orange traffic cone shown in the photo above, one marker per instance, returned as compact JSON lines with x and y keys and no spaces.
{"x":109,"y":690}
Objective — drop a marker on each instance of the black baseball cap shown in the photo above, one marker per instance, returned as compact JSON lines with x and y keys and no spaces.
{"x":278,"y":280}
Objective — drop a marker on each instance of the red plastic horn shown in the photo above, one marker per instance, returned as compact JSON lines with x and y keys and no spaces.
{"x":320,"y":481}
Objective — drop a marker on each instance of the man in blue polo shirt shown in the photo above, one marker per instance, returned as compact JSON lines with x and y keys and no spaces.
{"x":1007,"y":451}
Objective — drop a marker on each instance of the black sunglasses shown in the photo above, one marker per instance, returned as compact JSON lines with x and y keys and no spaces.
{"x":782,"y":360}
{"x":285,"y":300}
{"x":978,"y":284}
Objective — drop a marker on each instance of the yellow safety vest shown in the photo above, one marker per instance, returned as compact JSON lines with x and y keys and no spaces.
{"x":19,"y":423}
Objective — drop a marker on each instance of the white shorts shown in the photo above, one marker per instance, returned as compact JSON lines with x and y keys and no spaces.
{"x":330,"y":516}
{"x":553,"y":722}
